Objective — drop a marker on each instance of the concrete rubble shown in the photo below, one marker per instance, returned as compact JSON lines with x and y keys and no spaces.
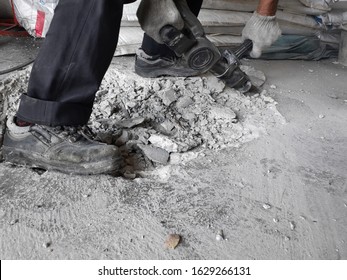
{"x":154,"y":118}
{"x":275,"y":188}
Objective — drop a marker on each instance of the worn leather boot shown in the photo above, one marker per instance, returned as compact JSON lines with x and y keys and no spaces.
{"x":66,"y":149}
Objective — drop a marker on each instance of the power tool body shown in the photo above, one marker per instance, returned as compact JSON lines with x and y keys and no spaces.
{"x":201,"y":54}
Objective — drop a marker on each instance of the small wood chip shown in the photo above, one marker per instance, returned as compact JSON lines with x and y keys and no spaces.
{"x":172,"y":241}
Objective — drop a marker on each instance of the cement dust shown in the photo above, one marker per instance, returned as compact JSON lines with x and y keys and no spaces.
{"x":200,"y":191}
{"x":167,"y":120}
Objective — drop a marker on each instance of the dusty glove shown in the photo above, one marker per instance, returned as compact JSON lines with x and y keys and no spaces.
{"x":318,"y":4}
{"x":263,"y":31}
{"x":154,"y":14}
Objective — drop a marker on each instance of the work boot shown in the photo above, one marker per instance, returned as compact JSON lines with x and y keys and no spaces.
{"x":154,"y":66}
{"x":67,"y":149}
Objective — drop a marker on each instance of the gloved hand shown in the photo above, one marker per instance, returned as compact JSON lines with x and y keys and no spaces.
{"x":263,"y":31}
{"x":154,"y":14}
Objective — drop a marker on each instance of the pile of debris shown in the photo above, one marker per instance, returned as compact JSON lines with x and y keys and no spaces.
{"x":166,"y":120}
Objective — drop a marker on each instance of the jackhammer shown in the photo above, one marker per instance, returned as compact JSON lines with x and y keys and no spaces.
{"x":201,"y":54}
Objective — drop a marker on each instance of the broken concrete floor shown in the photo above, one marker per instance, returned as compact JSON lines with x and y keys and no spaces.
{"x":277,"y":190}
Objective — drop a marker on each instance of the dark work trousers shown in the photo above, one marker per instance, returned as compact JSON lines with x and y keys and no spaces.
{"x":72,"y":62}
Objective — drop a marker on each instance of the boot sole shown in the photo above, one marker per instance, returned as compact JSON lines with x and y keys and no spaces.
{"x":21,"y":158}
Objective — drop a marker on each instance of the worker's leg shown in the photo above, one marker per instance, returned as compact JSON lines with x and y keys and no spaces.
{"x":154,"y":59}
{"x":65,"y":77}
{"x":72,"y":62}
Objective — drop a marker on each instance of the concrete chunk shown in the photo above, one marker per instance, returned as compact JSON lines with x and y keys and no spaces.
{"x":167,"y":127}
{"x":168,"y":96}
{"x":163,"y":142}
{"x":222,"y":113}
{"x":155,"y":154}
{"x":129,"y":123}
{"x":184,"y":102}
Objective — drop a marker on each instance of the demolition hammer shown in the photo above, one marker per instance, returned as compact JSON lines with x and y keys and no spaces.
{"x":201,"y":54}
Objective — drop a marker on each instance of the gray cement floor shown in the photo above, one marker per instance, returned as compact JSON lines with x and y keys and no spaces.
{"x":16,"y":51}
{"x":281,"y":196}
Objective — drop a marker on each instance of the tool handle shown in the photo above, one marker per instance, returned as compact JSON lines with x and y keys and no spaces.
{"x":244,"y":48}
{"x":191,"y":22}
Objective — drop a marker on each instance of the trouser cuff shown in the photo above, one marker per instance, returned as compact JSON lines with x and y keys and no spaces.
{"x":52,"y":113}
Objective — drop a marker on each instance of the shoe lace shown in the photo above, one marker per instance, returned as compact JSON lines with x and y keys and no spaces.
{"x":74,"y":133}
{"x":171,"y":58}
{"x":71,"y":133}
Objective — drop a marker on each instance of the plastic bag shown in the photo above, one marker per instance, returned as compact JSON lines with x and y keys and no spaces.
{"x":35,"y":15}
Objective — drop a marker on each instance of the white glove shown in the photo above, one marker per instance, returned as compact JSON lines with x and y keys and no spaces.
{"x":154,"y":14}
{"x":263,"y":31}
{"x":318,"y":4}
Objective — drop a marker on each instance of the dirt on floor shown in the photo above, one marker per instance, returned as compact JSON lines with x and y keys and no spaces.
{"x":259,"y":176}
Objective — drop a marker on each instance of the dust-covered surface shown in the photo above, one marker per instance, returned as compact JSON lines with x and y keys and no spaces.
{"x":206,"y":160}
{"x":17,"y":50}
{"x":167,"y":120}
